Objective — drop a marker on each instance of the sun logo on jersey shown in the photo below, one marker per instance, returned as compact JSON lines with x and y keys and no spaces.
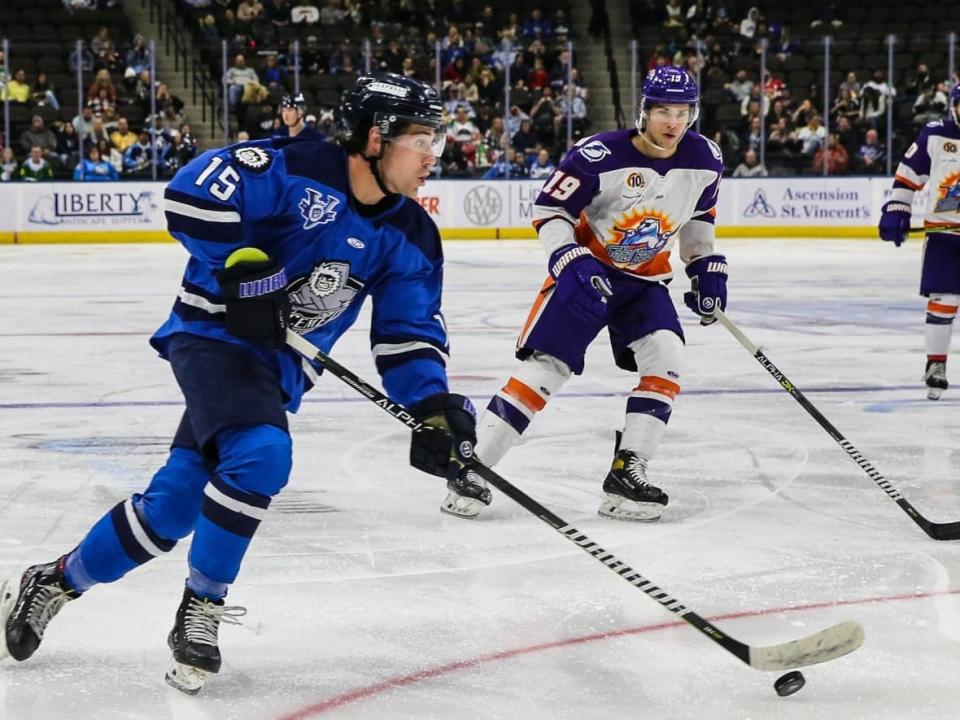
{"x":949,"y":196}
{"x":639,"y":236}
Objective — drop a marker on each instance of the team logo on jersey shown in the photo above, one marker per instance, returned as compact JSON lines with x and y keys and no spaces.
{"x":948,"y":199}
{"x":760,"y":206}
{"x":950,"y":147}
{"x":639,"y":236}
{"x":595,"y":151}
{"x":318,"y":208}
{"x":321,"y":296}
{"x":252,"y":158}
{"x":356,"y":243}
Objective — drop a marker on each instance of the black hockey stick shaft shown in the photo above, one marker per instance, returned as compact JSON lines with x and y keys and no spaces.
{"x":938,"y":531}
{"x":825,"y":645}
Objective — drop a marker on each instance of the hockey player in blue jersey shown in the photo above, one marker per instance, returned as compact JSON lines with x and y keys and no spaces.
{"x":338,"y":225}
{"x":292,"y":111}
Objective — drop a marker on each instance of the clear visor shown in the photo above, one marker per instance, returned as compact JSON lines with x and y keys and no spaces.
{"x":421,"y":139}
{"x":682,"y":113}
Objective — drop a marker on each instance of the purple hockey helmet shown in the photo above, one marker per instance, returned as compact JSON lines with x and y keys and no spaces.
{"x":668,"y":85}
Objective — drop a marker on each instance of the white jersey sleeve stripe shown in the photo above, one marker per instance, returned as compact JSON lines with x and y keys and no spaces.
{"x":191,"y":211}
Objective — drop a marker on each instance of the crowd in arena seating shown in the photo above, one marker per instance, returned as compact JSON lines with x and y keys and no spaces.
{"x":724,"y":45}
{"x":114,"y":126}
{"x":326,"y":40}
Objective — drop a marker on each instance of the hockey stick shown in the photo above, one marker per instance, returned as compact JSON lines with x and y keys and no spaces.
{"x":832,"y":642}
{"x":938,"y":531}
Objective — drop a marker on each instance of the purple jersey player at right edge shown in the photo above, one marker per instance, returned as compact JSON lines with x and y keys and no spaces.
{"x":934,"y":159}
{"x":608,"y":218}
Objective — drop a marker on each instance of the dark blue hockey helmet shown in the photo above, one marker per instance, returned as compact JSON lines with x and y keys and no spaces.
{"x":668,"y":85}
{"x":297,"y":101}
{"x":391,"y":103}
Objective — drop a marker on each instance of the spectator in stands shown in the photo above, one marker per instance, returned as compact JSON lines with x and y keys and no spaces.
{"x":238,"y":77}
{"x":68,"y":145}
{"x":453,"y":163}
{"x":123,"y":137}
{"x":803,"y":113}
{"x":83,"y":122}
{"x":43,"y":92}
{"x":8,"y":165}
{"x":525,"y":141}
{"x":343,"y":60}
{"x":748,"y":26}
{"x":392,"y":57}
{"x":740,"y":87}
{"x":35,"y":168}
{"x":102,"y":105}
{"x":250,"y":10}
{"x":545,"y":114}
{"x":920,"y":81}
{"x":537,"y":26}
{"x":752,"y":139}
{"x":575,"y":106}
{"x":543,"y":166}
{"x":539,"y":78}
{"x":871,"y":158}
{"x":812,"y":136}
{"x":138,"y":56}
{"x":462,"y":129}
{"x":94,"y":168}
{"x":784,"y":46}
{"x":675,"y":18}
{"x":489,"y":88}
{"x":98,"y":132}
{"x":38,"y":135}
{"x":782,"y":138}
{"x":305,"y":13}
{"x":272,"y":73}
{"x":186,"y":147}
{"x":102,"y":81}
{"x":515,"y":119}
{"x":851,"y":84}
{"x":835,"y":155}
{"x":846,"y":106}
{"x":931,"y":104}
{"x":138,"y":157}
{"x":312,"y":60}
{"x":333,"y":13}
{"x":71,"y":5}
{"x":455,"y":71}
{"x":847,"y":135}
{"x":455,"y":102}
{"x":105,"y":53}
{"x":751,"y":166}
{"x":495,"y":138}
{"x":508,"y":165}
{"x":876,"y":94}
{"x":18,"y":89}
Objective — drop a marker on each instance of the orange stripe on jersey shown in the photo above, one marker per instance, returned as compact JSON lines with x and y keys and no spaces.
{"x":535,"y":310}
{"x":525,"y":394}
{"x":909,"y":183}
{"x":652,"y":383}
{"x":941,"y":308}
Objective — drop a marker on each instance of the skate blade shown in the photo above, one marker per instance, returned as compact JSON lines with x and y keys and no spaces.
{"x":934,"y":393}
{"x":9,"y":589}
{"x":462,"y":507}
{"x":186,"y":678}
{"x":620,"y":508}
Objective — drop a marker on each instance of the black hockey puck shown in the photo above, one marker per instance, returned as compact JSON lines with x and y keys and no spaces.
{"x":789,"y":684}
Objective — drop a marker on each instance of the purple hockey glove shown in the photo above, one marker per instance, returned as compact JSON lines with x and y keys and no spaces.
{"x":895,"y":222}
{"x":582,"y":282}
{"x":708,"y":281}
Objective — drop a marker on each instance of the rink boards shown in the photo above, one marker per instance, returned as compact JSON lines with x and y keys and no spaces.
{"x":463,"y":209}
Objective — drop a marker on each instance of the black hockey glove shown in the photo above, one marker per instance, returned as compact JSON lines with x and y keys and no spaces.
{"x":257,"y":303}
{"x":445,"y":445}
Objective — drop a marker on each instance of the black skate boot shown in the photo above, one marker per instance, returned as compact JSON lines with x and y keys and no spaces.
{"x":936,"y":379}
{"x":628,"y":495}
{"x":25,"y":611}
{"x":467,"y":494}
{"x":193,"y":640}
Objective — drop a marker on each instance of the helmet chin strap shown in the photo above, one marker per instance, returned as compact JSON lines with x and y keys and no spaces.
{"x":375,"y":171}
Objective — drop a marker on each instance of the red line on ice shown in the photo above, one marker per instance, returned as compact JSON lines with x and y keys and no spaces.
{"x":400,"y":681}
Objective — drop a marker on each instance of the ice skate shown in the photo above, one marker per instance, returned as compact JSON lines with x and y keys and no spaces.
{"x":936,"y":379}
{"x":193,"y":640}
{"x":467,"y":495}
{"x":627,"y":493}
{"x":28,"y":606}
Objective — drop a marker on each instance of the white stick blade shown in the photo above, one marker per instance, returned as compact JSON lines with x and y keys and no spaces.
{"x":829,"y":644}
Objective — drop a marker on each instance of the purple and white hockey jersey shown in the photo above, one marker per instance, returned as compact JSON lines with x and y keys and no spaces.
{"x":934,"y":159}
{"x":630,"y":209}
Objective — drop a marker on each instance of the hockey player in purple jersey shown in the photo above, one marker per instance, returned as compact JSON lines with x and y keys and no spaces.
{"x":608,"y":219}
{"x":933,"y":160}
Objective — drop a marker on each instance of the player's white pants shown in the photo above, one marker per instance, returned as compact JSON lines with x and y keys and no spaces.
{"x":510,"y":411}
{"x":660,"y":361}
{"x":941,"y":311}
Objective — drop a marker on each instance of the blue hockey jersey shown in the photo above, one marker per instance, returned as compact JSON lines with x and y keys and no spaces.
{"x":293,"y":201}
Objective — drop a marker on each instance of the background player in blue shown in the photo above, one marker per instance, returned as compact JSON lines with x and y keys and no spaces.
{"x":292,"y":111}
{"x":933,"y":159}
{"x":338,"y":225}
{"x":608,"y":219}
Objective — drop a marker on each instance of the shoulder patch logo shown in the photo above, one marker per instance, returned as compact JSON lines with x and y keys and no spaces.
{"x":318,"y":208}
{"x":252,"y":158}
{"x":595,"y":151}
